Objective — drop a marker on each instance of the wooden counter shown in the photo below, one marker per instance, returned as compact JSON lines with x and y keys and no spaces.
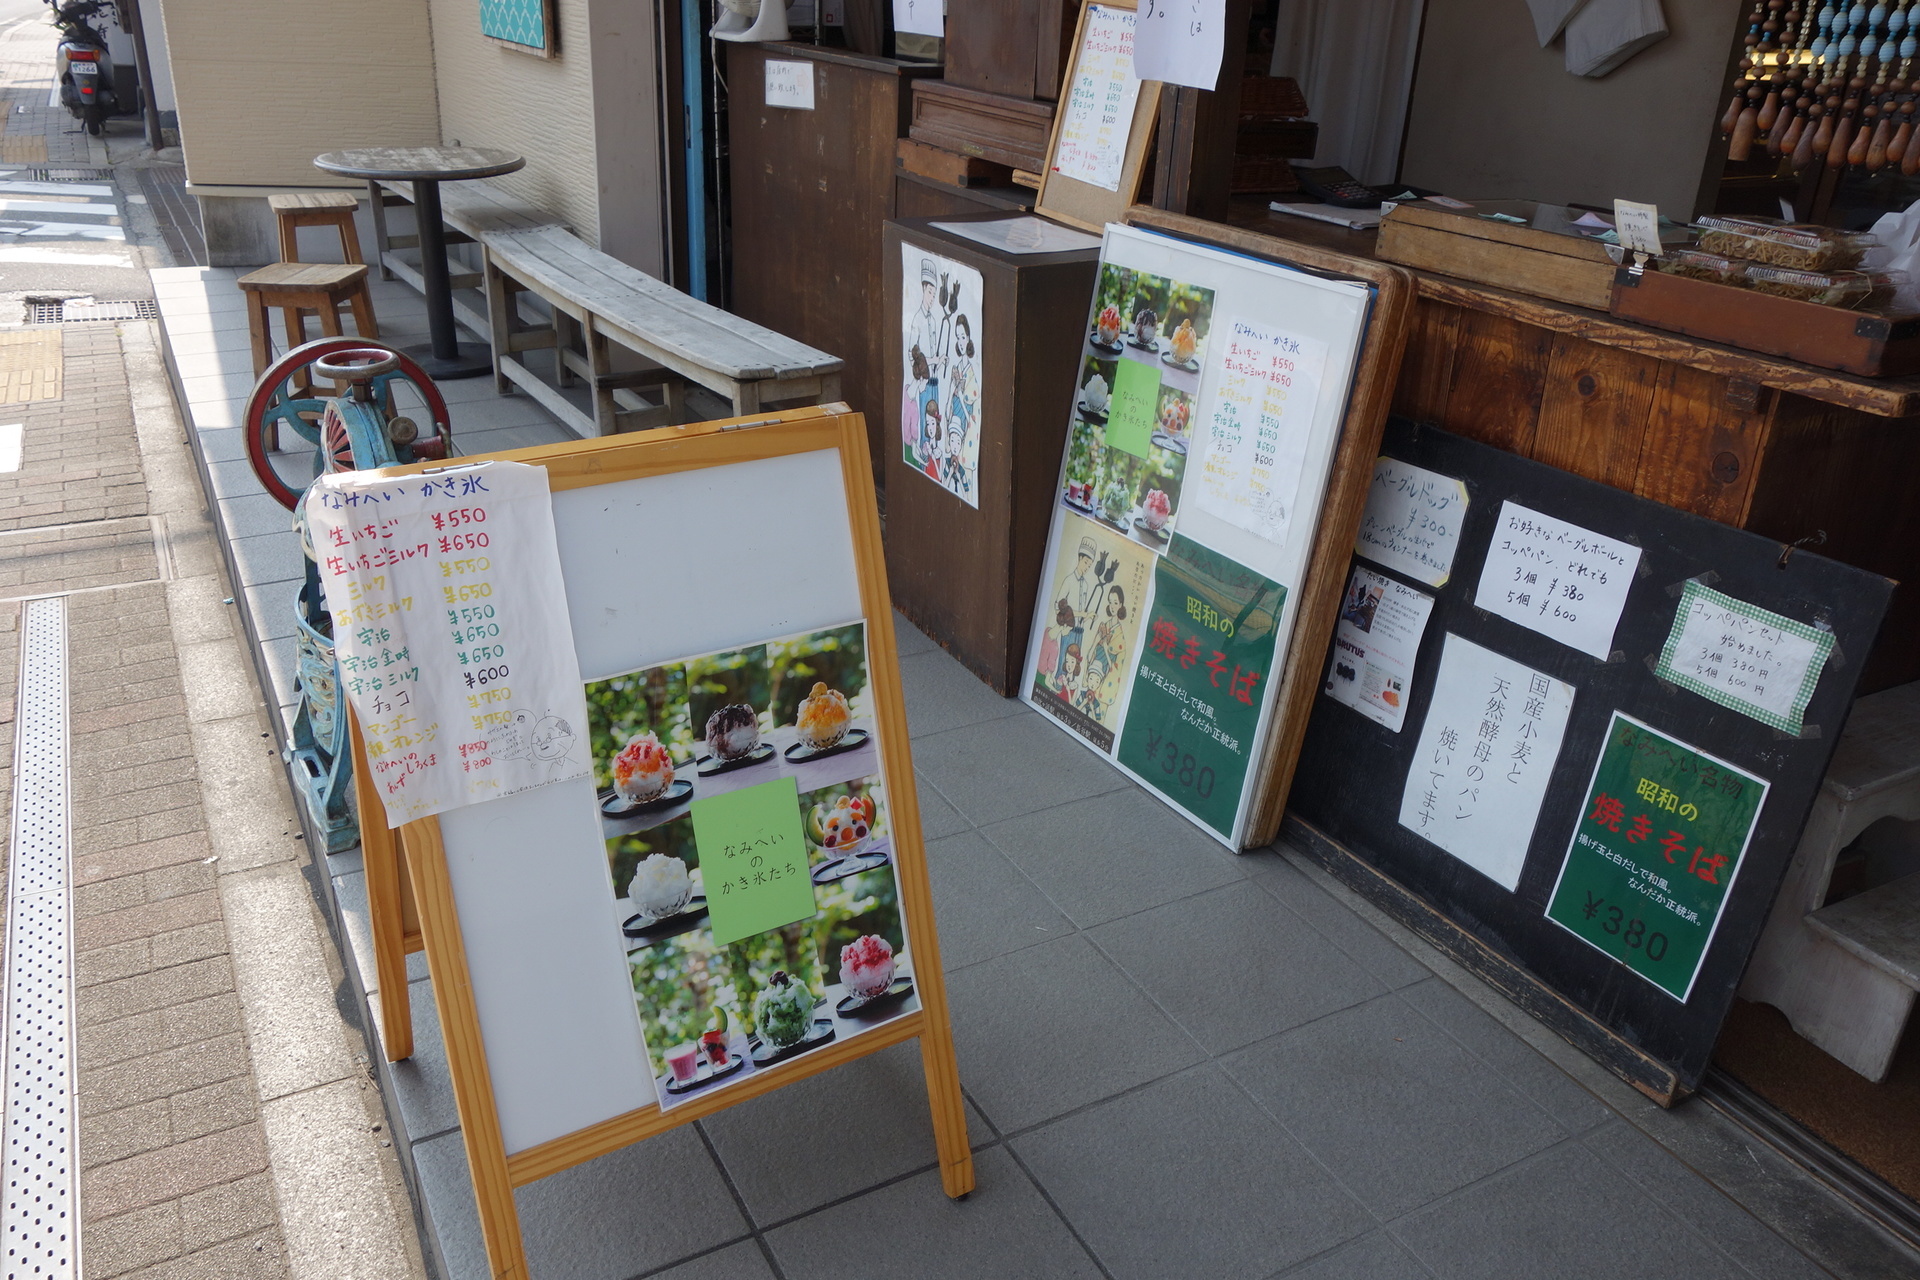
{"x":1782,"y":449}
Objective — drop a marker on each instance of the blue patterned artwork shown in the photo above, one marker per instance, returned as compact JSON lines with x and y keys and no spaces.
{"x":522,"y":22}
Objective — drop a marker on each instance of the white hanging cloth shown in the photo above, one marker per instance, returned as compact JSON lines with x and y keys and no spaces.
{"x":1605,"y":33}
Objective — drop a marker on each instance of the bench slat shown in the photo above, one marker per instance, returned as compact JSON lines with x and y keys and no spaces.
{"x":629,"y":299}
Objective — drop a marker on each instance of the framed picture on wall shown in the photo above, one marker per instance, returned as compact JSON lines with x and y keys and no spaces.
{"x":527,"y":26}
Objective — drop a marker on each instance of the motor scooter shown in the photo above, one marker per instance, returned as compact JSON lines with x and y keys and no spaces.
{"x":83,"y":66}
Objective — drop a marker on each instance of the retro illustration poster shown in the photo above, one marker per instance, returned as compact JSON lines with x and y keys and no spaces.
{"x":940,"y":345}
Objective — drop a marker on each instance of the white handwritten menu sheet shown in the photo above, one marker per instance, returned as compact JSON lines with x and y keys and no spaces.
{"x":451,"y":627}
{"x":1487,"y":749}
{"x":1263,"y":405}
{"x":1741,"y":656}
{"x":1098,"y":111}
{"x":1565,"y":582}
{"x":1412,"y":521}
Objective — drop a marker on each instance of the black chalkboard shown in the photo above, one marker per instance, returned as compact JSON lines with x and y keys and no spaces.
{"x":1345,"y":803}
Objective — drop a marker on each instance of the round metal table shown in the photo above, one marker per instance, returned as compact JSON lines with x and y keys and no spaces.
{"x":445,"y":356}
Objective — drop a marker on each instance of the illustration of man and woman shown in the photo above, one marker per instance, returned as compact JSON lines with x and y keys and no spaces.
{"x":1090,"y":602}
{"x":940,"y":403}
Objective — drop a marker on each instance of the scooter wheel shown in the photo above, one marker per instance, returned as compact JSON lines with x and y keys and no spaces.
{"x":93,"y":127}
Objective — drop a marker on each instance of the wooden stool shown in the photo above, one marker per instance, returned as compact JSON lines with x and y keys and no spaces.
{"x":297,"y":288}
{"x":316,"y":209}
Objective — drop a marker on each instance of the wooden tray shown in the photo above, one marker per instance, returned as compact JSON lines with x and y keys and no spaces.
{"x":1862,"y":342}
{"x":1526,"y":259}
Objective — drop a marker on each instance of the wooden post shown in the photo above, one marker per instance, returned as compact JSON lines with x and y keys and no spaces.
{"x":380,"y":859}
{"x":1199,"y":128}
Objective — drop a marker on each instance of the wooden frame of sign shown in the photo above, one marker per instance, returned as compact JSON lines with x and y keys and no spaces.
{"x":1084,"y":204}
{"x":414,"y":868}
{"x":1374,"y":377}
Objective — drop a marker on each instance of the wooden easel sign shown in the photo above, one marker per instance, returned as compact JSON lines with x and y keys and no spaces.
{"x":1103,"y":125}
{"x":736,"y":898}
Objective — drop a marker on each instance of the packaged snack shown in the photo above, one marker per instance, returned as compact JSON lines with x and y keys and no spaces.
{"x":1697,"y":265}
{"x":1798,"y":246}
{"x":1852,"y":290}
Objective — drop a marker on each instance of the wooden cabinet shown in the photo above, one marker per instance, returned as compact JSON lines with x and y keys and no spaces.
{"x":810,"y":192}
{"x":968,"y":575}
{"x":1799,"y":454}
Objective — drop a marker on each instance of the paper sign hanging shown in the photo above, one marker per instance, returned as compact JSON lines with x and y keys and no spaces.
{"x":1179,"y":42}
{"x":1375,"y":643}
{"x":1097,"y":114}
{"x":1638,"y":226}
{"x":1565,"y":582}
{"x":450,"y":622}
{"x":920,"y":17}
{"x":1741,"y":656}
{"x":1412,"y":521}
{"x":1661,"y":837}
{"x":1487,"y":749}
{"x":790,"y":84}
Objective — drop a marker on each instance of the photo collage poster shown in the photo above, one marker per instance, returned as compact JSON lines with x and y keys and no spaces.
{"x":1163,"y":617}
{"x":749,"y":845}
{"x":940,"y":344}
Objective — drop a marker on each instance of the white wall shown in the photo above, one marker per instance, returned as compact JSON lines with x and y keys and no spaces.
{"x":1496,"y":116}
{"x":151,"y":14}
{"x":491,"y":96}
{"x":626,"y":93}
{"x":264,"y":88}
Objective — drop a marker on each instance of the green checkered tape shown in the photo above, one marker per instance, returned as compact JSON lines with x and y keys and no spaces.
{"x":1821,"y":640}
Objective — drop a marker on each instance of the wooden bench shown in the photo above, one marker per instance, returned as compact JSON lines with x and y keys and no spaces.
{"x":598,"y":302}
{"x":1846,"y":975}
{"x":604,"y":302}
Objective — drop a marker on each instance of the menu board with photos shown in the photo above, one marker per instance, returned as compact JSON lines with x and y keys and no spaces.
{"x":1641,"y":825}
{"x":1210,"y":398}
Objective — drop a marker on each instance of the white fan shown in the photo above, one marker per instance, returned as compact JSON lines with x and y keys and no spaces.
{"x":751,"y":20}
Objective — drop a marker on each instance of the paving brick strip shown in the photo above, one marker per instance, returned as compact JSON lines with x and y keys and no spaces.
{"x":229,"y":1126}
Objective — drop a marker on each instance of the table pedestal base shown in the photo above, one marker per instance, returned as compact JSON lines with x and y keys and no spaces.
{"x":472,"y":360}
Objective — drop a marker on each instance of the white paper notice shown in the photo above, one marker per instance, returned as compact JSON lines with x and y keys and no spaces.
{"x":1099,"y":107}
{"x":1375,"y":644}
{"x":1638,"y":225}
{"x":920,"y":17}
{"x":1026,"y":234}
{"x":451,"y":628}
{"x":1741,"y":656}
{"x":1491,"y":736}
{"x":1565,"y":582}
{"x":790,"y":84}
{"x":1179,"y":42}
{"x":1257,"y":427}
{"x":1412,"y":522}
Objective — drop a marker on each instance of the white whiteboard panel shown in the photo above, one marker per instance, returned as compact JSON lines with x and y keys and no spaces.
{"x":655,"y":569}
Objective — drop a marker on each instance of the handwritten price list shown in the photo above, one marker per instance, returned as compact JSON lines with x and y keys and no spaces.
{"x":1412,"y":521}
{"x":1257,"y":431}
{"x":1100,"y":102}
{"x":1741,"y":656}
{"x":1565,"y":582}
{"x":451,"y":632}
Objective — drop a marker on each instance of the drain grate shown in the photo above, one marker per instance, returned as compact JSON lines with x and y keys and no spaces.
{"x":44,"y":174}
{"x":39,"y":1211}
{"x":79,"y":310}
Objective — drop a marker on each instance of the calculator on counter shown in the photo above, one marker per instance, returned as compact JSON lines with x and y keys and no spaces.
{"x":1338,"y":187}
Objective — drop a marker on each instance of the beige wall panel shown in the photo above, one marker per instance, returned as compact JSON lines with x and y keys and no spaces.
{"x":1496,"y":116}
{"x":542,"y":108}
{"x":264,"y":88}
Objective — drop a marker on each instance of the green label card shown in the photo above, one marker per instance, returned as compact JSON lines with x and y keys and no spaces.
{"x":753,"y":860}
{"x":1135,"y":402}
{"x":1201,"y":680}
{"x":1659,"y":842}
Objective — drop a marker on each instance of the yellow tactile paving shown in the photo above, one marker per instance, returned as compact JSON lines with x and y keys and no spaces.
{"x":30,"y":365}
{"x":21,"y":148}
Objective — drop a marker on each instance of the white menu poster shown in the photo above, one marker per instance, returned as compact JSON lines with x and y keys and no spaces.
{"x":1487,"y":749}
{"x":451,"y":627}
{"x":1262,"y":415}
{"x":1098,"y":111}
{"x":1180,"y":42}
{"x":1375,"y":643}
{"x":1565,"y":582}
{"x":1741,"y":656}
{"x":1412,"y":521}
